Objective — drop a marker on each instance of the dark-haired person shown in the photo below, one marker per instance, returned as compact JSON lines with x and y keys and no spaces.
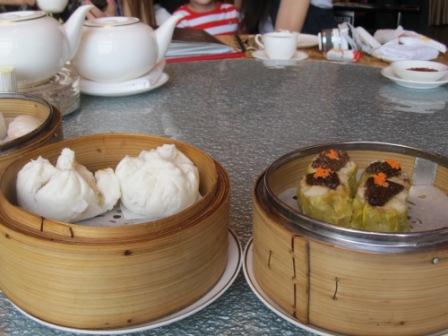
{"x":306,"y":16}
{"x":12,"y":5}
{"x":111,"y":7}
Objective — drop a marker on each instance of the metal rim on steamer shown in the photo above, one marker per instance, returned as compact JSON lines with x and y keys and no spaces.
{"x":380,"y":242}
{"x":11,"y":145}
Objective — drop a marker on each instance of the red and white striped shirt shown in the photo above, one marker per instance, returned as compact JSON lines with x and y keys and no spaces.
{"x":223,"y":19}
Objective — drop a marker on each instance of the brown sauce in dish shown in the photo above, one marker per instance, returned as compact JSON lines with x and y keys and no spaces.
{"x":377,"y":195}
{"x":422,"y":69}
{"x":331,"y":181}
{"x":383,"y":167}
{"x":332,"y":158}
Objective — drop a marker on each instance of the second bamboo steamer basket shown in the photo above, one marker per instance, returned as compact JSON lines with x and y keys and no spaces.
{"x":12,"y":105}
{"x":347,"y":281}
{"x":108,"y":277}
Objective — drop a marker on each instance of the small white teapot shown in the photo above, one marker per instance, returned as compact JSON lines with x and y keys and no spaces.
{"x":116,"y":49}
{"x":36,"y":45}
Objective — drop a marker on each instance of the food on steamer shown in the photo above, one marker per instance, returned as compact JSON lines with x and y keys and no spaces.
{"x":19,"y":126}
{"x":158,"y":183}
{"x":380,"y":203}
{"x":325,"y":192}
{"x":67,"y":192}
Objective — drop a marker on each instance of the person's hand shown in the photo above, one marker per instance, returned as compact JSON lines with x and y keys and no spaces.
{"x":18,"y":2}
{"x":97,"y":13}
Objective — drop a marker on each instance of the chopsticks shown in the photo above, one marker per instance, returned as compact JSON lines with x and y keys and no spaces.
{"x":240,"y":43}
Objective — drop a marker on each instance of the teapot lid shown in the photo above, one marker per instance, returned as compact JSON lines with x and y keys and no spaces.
{"x":20,"y":16}
{"x":113,"y":21}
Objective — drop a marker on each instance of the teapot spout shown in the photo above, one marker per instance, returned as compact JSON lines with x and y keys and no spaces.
{"x":72,"y":29}
{"x":165,"y":32}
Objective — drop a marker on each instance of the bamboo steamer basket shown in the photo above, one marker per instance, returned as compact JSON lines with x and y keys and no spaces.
{"x":107,"y":277}
{"x":347,"y":281}
{"x":12,"y":105}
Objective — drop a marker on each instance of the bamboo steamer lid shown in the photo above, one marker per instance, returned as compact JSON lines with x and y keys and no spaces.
{"x":346,"y":281}
{"x":109,"y":277}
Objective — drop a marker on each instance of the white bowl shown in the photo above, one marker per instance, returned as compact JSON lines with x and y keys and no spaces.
{"x":409,"y":70}
{"x":52,"y":6}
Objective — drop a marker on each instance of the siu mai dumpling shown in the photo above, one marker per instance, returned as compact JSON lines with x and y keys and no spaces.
{"x":380,"y":204}
{"x":321,"y":195}
{"x":67,"y":192}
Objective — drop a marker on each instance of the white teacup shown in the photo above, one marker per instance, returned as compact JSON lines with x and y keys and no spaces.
{"x":52,"y":6}
{"x":278,"y":45}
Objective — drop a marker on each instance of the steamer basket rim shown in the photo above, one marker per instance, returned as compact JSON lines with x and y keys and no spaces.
{"x":378,"y":242}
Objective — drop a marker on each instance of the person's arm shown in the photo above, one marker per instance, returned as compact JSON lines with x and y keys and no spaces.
{"x":18,"y":2}
{"x":291,"y":15}
{"x":96,"y":13}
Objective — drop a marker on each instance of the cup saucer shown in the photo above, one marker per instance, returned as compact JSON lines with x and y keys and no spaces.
{"x":148,"y":82}
{"x":298,"y":56}
{"x":412,"y":84}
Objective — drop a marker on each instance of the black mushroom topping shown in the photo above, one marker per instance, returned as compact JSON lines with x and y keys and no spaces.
{"x":333,"y":159}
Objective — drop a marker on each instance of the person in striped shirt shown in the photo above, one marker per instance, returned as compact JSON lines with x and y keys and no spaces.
{"x":214,"y":17}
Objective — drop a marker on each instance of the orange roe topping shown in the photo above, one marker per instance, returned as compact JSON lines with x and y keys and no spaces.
{"x":322,"y":172}
{"x":332,"y":154}
{"x":380,"y":179}
{"x":394,"y":164}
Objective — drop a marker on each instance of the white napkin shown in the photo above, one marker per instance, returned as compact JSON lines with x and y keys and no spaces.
{"x":421,"y":40}
{"x":364,"y":40}
{"x":403,"y":44}
{"x":399,"y":52}
{"x":386,"y":35}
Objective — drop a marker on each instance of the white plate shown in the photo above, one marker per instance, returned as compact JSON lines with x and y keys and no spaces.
{"x":307,"y":41}
{"x":142,"y":84}
{"x":248,"y":269}
{"x":298,"y":56}
{"x":389,"y":73}
{"x":230,"y":274}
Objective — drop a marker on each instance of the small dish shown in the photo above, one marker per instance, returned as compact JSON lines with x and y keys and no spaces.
{"x":307,"y":41}
{"x":421,"y":71}
{"x":390,"y":74}
{"x":230,"y":274}
{"x":298,"y":56}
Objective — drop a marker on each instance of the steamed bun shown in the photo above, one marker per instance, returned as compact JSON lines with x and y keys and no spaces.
{"x":67,"y":192}
{"x":21,"y":125}
{"x":158,"y":183}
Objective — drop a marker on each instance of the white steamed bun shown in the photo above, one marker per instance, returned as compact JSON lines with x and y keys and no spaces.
{"x":21,"y":125}
{"x":158,"y":183}
{"x":68,"y":192}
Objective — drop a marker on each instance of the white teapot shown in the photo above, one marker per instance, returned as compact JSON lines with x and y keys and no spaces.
{"x":36,"y":45}
{"x":116,"y":49}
